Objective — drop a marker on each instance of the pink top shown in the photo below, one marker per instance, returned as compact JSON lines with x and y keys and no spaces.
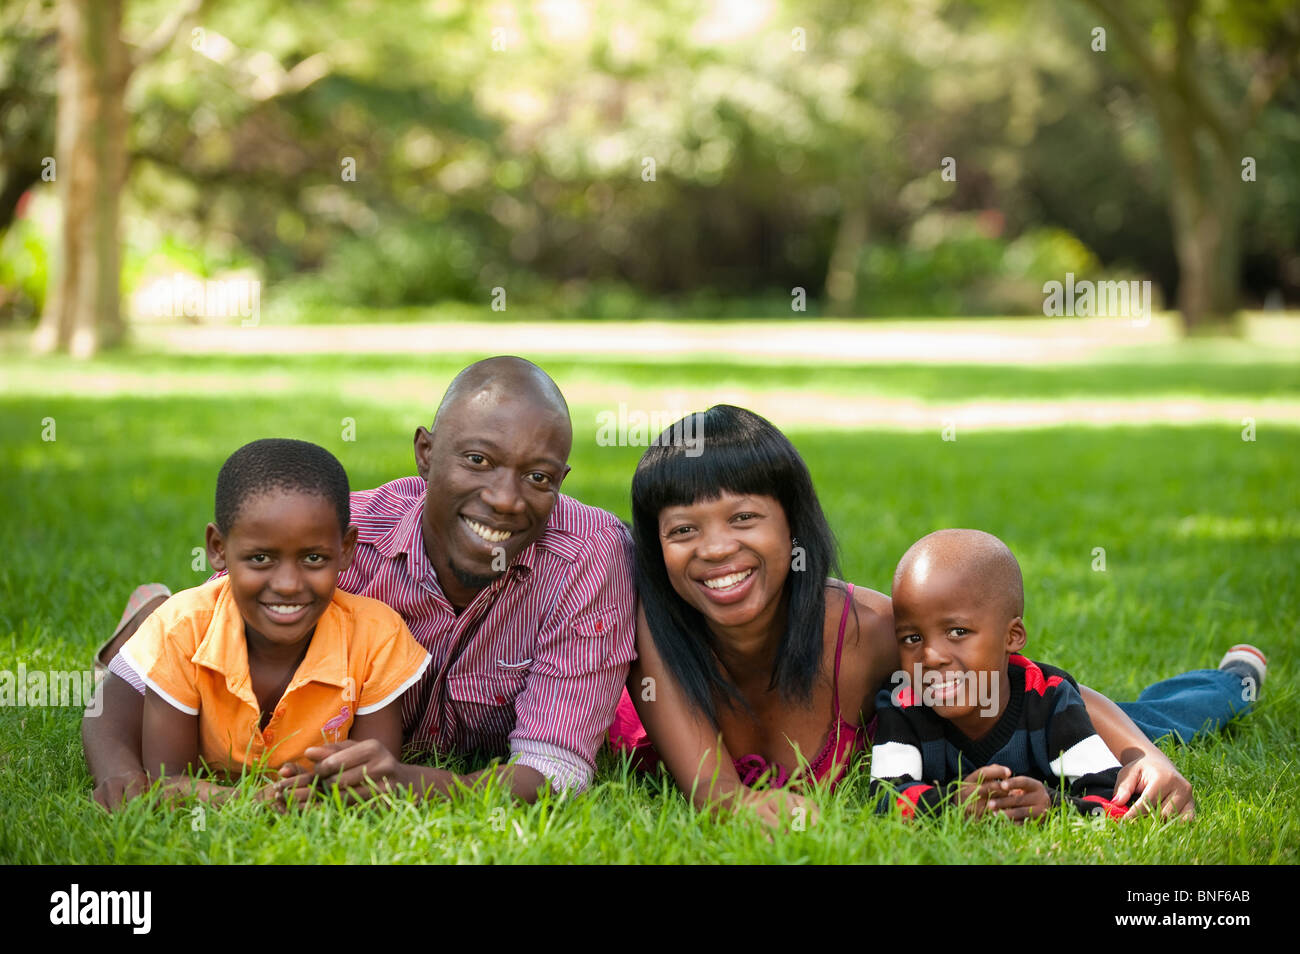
{"x":842,"y":740}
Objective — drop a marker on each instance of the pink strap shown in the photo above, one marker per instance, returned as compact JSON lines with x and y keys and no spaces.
{"x":839,"y":647}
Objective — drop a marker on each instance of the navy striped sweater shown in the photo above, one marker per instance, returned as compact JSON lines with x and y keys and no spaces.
{"x":1044,"y":733}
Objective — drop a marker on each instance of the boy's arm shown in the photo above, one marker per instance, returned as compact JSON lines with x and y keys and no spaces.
{"x":1081,"y":769}
{"x":897,"y":766}
{"x":1146,"y":770}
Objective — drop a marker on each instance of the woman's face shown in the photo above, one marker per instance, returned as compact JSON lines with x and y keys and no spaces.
{"x":728,"y":558}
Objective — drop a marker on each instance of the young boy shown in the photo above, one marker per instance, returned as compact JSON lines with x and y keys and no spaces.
{"x":255,"y":667}
{"x":973,"y":722}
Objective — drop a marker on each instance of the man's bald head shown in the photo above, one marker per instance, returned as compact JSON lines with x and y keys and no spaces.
{"x":499,"y":379}
{"x":978,"y":557}
{"x":492,"y":464}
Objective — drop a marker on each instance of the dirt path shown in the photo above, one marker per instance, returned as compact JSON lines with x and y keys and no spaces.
{"x":941,"y":342}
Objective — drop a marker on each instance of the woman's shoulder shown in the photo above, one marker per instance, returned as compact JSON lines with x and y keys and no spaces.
{"x":870,"y":610}
{"x":868,"y":621}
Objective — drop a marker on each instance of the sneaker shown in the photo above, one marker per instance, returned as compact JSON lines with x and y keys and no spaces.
{"x":142,"y":595}
{"x":1245,"y":660}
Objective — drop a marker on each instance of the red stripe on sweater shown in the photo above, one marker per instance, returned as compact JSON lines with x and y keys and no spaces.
{"x":907,"y":799}
{"x":1113,"y":810}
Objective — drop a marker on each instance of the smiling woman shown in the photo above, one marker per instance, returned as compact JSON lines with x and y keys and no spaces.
{"x":743,"y":633}
{"x":746,"y":644}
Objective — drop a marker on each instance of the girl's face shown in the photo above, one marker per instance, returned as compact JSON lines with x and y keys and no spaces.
{"x":729,"y":558}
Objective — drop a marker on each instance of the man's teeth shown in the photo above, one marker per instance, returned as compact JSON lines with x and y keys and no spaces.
{"x":487,"y":533}
{"x":284,"y":609}
{"x":731,"y":579}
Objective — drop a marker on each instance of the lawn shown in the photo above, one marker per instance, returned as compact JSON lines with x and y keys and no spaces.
{"x":1201,"y":532}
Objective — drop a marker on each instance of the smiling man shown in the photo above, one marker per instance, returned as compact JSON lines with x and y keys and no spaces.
{"x":522,"y":596}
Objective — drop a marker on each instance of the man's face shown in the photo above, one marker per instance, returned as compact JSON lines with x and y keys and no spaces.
{"x":493,"y":467}
{"x":958,"y":638}
{"x":284,"y":554}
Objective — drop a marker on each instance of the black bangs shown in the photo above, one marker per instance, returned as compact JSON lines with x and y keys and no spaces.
{"x":722,"y":450}
{"x":730,"y":450}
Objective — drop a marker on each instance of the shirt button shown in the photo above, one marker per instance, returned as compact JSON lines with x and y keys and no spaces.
{"x":268,"y":736}
{"x":501,"y":700}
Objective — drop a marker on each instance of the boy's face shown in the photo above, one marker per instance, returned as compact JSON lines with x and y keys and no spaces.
{"x":284,"y":555}
{"x":960,"y":638}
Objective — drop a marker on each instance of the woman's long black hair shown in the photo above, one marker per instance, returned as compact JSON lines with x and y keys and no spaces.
{"x":730,"y":449}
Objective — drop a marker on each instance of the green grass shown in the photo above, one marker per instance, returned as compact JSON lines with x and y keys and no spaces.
{"x":1201,"y":531}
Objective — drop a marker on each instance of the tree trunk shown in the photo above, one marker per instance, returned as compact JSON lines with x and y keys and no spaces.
{"x":83,"y":312}
{"x":842,"y":269}
{"x":1207,"y":225}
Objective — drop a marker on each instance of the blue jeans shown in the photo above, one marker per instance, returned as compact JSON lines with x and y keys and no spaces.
{"x":1191,"y":704}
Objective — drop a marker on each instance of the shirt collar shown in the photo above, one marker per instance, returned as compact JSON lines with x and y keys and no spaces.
{"x":224,"y":648}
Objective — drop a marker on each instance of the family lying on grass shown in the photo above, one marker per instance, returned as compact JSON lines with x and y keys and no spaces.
{"x":475,"y":610}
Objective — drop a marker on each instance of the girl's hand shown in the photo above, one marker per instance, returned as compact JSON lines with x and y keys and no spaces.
{"x":294,"y":785}
{"x":181,"y":786}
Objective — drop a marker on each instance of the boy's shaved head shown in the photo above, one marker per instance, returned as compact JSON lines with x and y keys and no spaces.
{"x":503,"y":377}
{"x":280,"y":464}
{"x":982,"y":557}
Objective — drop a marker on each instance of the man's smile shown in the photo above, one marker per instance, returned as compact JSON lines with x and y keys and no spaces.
{"x":484,"y":532}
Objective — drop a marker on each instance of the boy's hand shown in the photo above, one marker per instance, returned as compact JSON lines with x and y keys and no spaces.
{"x":1023,"y":798}
{"x":979,"y":786}
{"x":1158,"y":781}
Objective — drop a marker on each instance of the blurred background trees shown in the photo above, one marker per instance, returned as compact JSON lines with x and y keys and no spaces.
{"x":630,"y":160}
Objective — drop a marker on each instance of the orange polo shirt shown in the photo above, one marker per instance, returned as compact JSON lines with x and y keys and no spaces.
{"x":192,"y":652}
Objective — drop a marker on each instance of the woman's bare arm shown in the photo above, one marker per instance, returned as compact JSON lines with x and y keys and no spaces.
{"x":689,"y":745}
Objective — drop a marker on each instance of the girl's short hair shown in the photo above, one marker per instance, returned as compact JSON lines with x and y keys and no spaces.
{"x":730,"y":449}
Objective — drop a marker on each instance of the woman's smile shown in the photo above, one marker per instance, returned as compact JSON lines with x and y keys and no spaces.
{"x":728,"y":587}
{"x":729,"y":557}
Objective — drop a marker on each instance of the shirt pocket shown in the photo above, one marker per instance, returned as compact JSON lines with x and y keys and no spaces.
{"x":485,"y":705}
{"x":592,"y":640}
{"x":497,"y":688}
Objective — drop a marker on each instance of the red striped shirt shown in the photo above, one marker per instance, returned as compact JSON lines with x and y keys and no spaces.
{"x":536,"y":663}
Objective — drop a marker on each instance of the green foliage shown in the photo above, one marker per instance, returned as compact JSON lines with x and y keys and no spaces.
{"x":412,"y":263}
{"x":961,"y":265}
{"x":24,"y":271}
